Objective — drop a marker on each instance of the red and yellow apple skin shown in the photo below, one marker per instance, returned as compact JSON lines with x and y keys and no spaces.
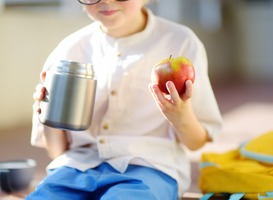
{"x":178,"y":70}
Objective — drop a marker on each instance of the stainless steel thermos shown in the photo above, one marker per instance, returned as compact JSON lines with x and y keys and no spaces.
{"x":70,"y":96}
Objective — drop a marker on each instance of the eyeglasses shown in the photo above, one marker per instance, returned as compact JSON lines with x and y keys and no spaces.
{"x":92,"y":2}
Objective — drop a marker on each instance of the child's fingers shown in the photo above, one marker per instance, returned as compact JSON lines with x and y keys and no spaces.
{"x":36,"y":107}
{"x":175,"y":98}
{"x":42,"y":76}
{"x":39,"y":93}
{"x":157,"y":94}
{"x":189,"y":89}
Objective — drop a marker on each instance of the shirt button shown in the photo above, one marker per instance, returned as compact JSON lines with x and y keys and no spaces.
{"x":105,"y":126}
{"x":118,"y":54}
{"x":113,"y":92}
{"x":102,"y":141}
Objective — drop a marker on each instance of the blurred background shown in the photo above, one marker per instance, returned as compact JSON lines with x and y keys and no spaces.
{"x":237,"y":35}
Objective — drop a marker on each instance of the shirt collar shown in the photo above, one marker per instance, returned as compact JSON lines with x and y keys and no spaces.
{"x":131,"y":39}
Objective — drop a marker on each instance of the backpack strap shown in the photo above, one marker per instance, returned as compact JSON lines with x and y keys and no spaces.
{"x":259,"y":149}
{"x":207,"y":196}
{"x":236,"y":196}
{"x":267,"y":196}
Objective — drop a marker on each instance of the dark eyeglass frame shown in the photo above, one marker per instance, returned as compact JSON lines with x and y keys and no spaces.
{"x":95,"y":2}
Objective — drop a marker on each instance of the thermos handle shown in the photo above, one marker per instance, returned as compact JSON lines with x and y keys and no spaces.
{"x":5,"y":185}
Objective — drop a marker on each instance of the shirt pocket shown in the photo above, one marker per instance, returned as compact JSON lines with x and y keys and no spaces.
{"x":136,"y":98}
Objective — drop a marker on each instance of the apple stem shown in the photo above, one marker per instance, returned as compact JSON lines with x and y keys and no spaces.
{"x":170,"y":57}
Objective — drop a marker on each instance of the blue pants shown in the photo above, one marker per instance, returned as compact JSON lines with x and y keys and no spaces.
{"x":105,"y":183}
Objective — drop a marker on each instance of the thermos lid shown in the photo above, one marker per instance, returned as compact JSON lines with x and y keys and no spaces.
{"x":74,"y":68}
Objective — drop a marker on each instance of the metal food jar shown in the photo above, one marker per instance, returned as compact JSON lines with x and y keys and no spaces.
{"x":70,"y":96}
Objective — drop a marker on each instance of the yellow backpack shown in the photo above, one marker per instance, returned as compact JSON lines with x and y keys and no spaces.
{"x":246,"y":172}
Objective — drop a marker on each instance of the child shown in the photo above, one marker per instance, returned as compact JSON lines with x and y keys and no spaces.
{"x":134,"y":147}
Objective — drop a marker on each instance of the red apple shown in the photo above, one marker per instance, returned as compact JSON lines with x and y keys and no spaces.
{"x":178,"y":70}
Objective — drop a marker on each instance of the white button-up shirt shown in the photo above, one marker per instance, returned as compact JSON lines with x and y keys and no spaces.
{"x":127,"y":127}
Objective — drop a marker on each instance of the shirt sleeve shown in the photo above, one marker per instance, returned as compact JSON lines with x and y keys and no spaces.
{"x":38,"y":129}
{"x":62,"y":51}
{"x":204,"y":102}
{"x":37,"y":132}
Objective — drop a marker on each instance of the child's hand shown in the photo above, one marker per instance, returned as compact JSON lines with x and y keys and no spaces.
{"x":173,"y":106}
{"x":179,"y":112}
{"x":39,"y":94}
